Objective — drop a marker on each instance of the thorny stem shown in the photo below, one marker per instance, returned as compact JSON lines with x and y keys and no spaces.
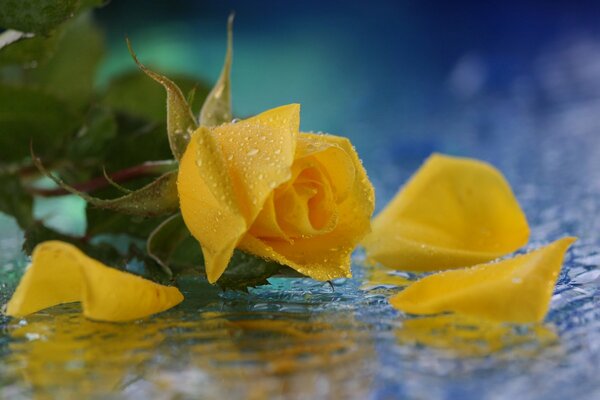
{"x":124,"y":175}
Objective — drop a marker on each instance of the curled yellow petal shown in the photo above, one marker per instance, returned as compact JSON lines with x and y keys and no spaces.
{"x":513,"y":290}
{"x":60,"y":273}
{"x":454,"y":212}
{"x":227,"y":174}
{"x":207,"y":202}
{"x":260,"y":153}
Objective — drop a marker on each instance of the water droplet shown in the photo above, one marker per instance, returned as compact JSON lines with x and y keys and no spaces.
{"x":252,"y":152}
{"x":517,"y":280}
{"x":230,"y":157}
{"x":278,"y":151}
{"x":32,"y":336}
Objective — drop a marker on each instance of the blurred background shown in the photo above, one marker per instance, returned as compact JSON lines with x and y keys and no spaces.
{"x":513,"y":83}
{"x":400,"y":78}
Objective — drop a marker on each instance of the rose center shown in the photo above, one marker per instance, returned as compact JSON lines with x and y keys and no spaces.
{"x":303,"y":207}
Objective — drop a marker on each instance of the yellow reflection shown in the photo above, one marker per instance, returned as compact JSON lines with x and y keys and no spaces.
{"x":472,"y":337}
{"x":282,"y":346}
{"x":61,"y":354}
{"x":64,"y":355}
{"x":271,"y":356}
{"x":380,"y":275}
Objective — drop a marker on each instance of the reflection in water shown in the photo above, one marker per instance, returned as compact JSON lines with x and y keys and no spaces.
{"x":378,"y":276}
{"x":472,"y":337}
{"x":60,"y":354}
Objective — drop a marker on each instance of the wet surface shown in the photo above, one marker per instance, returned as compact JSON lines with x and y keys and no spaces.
{"x":300,"y":339}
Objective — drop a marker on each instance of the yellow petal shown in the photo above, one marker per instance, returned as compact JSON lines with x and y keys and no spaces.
{"x":336,"y":155}
{"x":208,"y":203}
{"x":454,"y":212}
{"x":259,"y":154}
{"x":327,"y":256}
{"x":227,"y":174}
{"x":512,"y":290}
{"x":60,"y":273}
{"x":266,"y":224}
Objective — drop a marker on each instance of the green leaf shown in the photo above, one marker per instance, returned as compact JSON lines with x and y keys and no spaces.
{"x":14,"y":201}
{"x":93,"y":3}
{"x":114,"y":184}
{"x":137,"y":95}
{"x":217,"y":106}
{"x":246,"y":270}
{"x":157,"y":198}
{"x":30,"y":115}
{"x":100,"y":221}
{"x":36,"y":16}
{"x":172,"y":246}
{"x":71,"y":71}
{"x":180,"y":120}
{"x":93,"y":138}
{"x":136,"y":142}
{"x":18,"y":48}
{"x":38,"y":233}
{"x":133,"y":259}
{"x":165,"y":239}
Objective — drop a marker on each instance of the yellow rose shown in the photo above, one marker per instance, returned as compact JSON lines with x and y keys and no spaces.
{"x":303,"y":200}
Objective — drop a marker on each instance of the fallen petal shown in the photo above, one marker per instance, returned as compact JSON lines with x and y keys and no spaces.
{"x":513,"y":290}
{"x":60,"y":273}
{"x":454,"y":212}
